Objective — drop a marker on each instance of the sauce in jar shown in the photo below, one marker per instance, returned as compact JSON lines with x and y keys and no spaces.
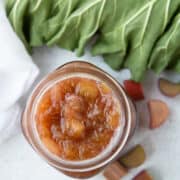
{"x":77,"y":118}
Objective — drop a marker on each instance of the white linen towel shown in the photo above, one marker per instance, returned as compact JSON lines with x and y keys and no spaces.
{"x":17,"y":73}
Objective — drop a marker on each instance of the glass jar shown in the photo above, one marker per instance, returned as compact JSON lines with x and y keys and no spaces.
{"x":90,"y":167}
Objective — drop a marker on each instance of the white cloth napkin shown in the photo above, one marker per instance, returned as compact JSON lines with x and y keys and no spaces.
{"x":17,"y":73}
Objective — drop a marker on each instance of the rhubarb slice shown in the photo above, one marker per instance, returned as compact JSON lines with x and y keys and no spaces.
{"x":143,"y":175}
{"x":134,"y":90}
{"x":134,"y":157}
{"x":159,"y":113}
{"x":114,"y":171}
{"x":169,"y":88}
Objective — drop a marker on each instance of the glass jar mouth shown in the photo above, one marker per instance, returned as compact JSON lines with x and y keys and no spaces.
{"x":72,"y":69}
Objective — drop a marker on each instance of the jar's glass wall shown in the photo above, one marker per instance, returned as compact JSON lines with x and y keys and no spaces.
{"x":92,"y":167}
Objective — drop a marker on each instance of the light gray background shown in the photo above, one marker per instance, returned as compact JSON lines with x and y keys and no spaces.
{"x":19,"y":162}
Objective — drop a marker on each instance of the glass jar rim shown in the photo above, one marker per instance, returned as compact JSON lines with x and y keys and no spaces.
{"x":86,"y":165}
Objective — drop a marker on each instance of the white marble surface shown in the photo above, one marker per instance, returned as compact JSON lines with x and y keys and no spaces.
{"x":19,"y":162}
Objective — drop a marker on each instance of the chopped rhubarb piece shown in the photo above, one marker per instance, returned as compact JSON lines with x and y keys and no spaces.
{"x":143,"y":175}
{"x":114,"y":171}
{"x":134,"y":157}
{"x":169,"y":88}
{"x":134,"y":90}
{"x":159,"y":113}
